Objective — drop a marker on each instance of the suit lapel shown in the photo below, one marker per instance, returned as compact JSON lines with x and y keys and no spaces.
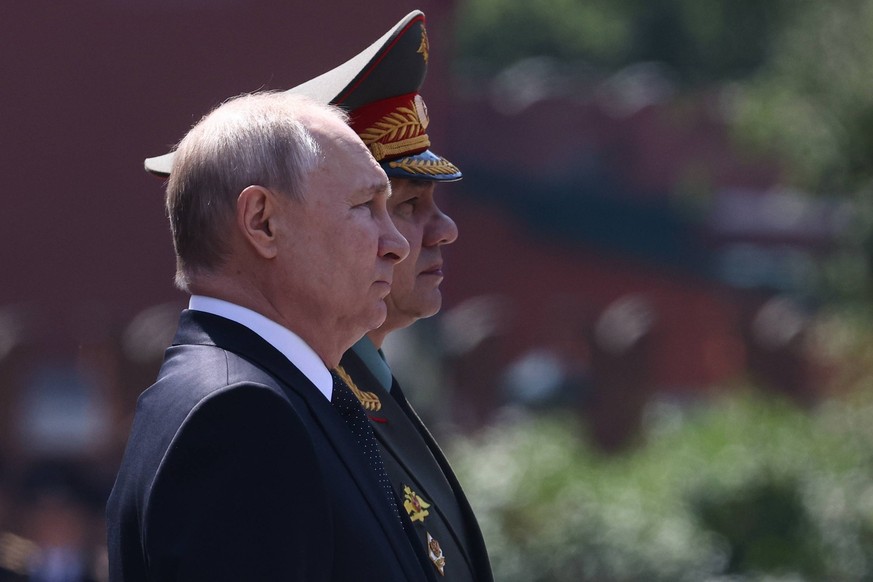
{"x":201,"y":328}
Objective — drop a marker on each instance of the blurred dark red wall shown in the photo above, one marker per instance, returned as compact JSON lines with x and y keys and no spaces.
{"x":90,"y":88}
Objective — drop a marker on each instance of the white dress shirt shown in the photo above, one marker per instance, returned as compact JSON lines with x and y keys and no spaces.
{"x":283,"y":339}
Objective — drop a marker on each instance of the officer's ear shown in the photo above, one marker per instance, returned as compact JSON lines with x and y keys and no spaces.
{"x":256,"y":212}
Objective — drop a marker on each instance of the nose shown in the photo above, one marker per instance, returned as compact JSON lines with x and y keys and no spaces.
{"x":441,"y":230}
{"x":392,"y":245}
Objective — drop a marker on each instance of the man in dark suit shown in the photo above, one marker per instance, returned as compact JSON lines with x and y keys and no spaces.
{"x":379,"y":87}
{"x":238,"y":465}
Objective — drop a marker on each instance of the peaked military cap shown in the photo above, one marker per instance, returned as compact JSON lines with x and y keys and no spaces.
{"x":379,"y":88}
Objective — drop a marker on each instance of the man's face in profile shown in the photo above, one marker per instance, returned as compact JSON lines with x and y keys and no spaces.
{"x":415,"y":292}
{"x":341,"y":247}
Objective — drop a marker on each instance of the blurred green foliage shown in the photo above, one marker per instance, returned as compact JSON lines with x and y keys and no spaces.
{"x":742,"y":486}
{"x":813,"y":98}
{"x":701,"y":40}
{"x":799,"y":70}
{"x":795,"y":78}
{"x":812,"y":104}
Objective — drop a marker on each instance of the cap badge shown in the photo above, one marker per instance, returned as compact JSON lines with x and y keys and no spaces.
{"x":414,"y":505}
{"x":421,"y":110}
{"x":424,"y":48}
{"x":435,"y":553}
{"x":368,"y":400}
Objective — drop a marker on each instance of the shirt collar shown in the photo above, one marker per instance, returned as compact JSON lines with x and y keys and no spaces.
{"x":375,"y":361}
{"x":283,"y":339}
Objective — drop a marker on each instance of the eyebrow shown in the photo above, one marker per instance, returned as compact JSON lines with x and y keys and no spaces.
{"x":381,"y":188}
{"x":422,"y":184}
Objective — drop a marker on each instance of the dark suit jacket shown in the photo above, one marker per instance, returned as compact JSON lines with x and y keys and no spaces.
{"x":238,"y":468}
{"x":414,"y":459}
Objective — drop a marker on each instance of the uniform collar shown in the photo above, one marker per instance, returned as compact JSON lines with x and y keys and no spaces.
{"x":373,"y":358}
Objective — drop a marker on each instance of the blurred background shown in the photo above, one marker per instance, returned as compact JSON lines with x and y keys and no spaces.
{"x":655,"y":356}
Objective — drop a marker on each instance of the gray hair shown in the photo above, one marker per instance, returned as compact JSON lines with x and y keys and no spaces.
{"x":254,"y":139}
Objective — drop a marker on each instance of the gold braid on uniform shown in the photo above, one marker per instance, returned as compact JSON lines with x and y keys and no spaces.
{"x":368,"y":400}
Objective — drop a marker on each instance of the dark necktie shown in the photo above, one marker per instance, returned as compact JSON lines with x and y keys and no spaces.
{"x":350,"y":409}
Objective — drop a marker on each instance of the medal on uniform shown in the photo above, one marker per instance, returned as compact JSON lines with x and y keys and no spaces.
{"x":414,"y":505}
{"x":417,"y":508}
{"x":435,"y":553}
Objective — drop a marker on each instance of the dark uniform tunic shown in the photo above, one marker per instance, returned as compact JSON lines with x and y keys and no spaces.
{"x":425,"y":484}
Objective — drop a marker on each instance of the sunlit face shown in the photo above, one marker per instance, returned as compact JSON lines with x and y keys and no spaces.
{"x":415,"y":292}
{"x":339,"y":259}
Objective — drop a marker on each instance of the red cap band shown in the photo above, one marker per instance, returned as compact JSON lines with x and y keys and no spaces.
{"x":393,"y":127}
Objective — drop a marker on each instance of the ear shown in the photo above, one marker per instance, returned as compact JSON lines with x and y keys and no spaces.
{"x":256,"y":211}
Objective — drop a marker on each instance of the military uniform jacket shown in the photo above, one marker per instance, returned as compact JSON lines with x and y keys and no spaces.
{"x":424,"y":482}
{"x":238,"y":468}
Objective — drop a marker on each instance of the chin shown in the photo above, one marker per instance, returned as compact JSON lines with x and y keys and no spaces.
{"x":379,"y":318}
{"x":433,"y":305}
{"x":409,"y":308}
{"x":426,"y":310}
{"x":375,"y":317}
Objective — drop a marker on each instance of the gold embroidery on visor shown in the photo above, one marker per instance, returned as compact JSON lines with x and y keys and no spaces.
{"x":428,"y":167}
